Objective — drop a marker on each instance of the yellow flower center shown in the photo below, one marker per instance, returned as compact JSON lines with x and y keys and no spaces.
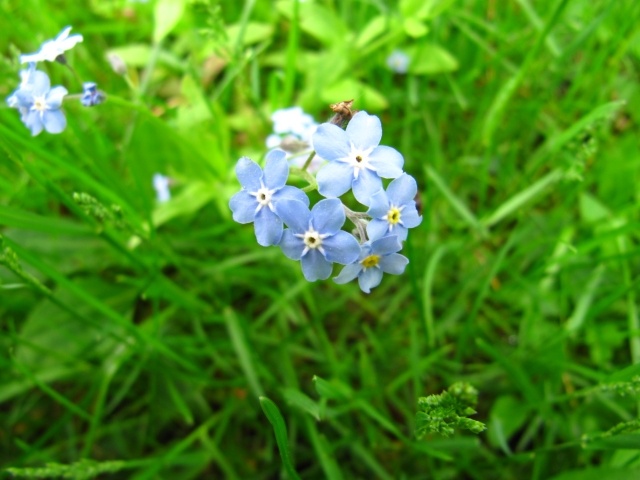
{"x":393,"y":215}
{"x":370,"y":261}
{"x":39,"y":104}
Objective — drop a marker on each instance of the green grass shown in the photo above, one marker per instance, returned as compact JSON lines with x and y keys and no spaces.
{"x":150,"y":341}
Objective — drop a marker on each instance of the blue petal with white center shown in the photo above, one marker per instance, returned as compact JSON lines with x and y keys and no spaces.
{"x":376,"y":258}
{"x":314,"y":237}
{"x":261,"y":193}
{"x":356,"y":160}
{"x":393,"y":212}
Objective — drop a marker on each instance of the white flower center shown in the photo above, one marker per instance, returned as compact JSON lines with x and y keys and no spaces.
{"x":359,"y":160}
{"x":40,"y":104}
{"x":312,"y":240}
{"x":263,"y":196}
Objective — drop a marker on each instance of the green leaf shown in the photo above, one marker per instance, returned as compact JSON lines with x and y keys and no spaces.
{"x":318,"y":21}
{"x":599,"y":474}
{"x":630,"y":441}
{"x":298,"y":399}
{"x":253,"y":32}
{"x":274,"y":416}
{"x":331,"y":390}
{"x":366,"y":97}
{"x":376,"y":27}
{"x":415,"y":28}
{"x":167,"y":14}
{"x":429,"y":58}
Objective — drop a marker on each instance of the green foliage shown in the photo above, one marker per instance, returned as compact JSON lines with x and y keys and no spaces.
{"x":447,"y":411}
{"x":84,"y":469}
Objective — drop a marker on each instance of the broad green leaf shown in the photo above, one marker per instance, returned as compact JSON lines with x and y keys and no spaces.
{"x":376,"y":27}
{"x":253,"y":32}
{"x":317,"y":20}
{"x":415,"y":28}
{"x":167,"y":14}
{"x":429,"y":58}
{"x":366,"y":97}
{"x":508,"y":415}
{"x":274,"y":416}
{"x":592,"y":209}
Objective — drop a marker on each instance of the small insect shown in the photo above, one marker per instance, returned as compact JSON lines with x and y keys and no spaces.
{"x":343,"y":112}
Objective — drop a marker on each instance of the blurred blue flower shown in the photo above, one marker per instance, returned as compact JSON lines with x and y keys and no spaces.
{"x":356,"y":160}
{"x":394,"y":211}
{"x":376,"y":257}
{"x":38,"y":103}
{"x":52,"y":49}
{"x":398,"y":61}
{"x":260,"y":194}
{"x":314,"y":237}
{"x":91,"y":96}
{"x":161,"y":186}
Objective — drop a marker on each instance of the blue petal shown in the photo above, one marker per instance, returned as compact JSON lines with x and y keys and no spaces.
{"x":294,"y":213}
{"x":268,"y":227}
{"x":331,"y":142}
{"x":249,"y":174}
{"x":33,"y":121}
{"x":369,"y":278}
{"x":54,"y":121}
{"x":348,"y":273}
{"x":276,"y":170}
{"x":377,"y":229}
{"x":364,"y":130}
{"x":290,"y":193}
{"x":315,"y":267}
{"x":365,"y":186}
{"x":327,"y":216}
{"x":40,"y":83}
{"x":386,"y":245}
{"x":410,"y":217}
{"x":379,"y":205}
{"x":341,"y":248}
{"x":334,"y":179}
{"x":393,"y":264}
{"x":291,"y":245}
{"x":400,"y":231}
{"x":243,"y":207}
{"x":55,"y":97}
{"x":402,"y":190}
{"x":387,"y":161}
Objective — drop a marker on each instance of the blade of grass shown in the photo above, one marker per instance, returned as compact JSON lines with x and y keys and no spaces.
{"x":272,"y":412}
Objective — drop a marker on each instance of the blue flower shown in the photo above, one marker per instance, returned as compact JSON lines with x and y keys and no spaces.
{"x":356,"y":160}
{"x":52,"y":49}
{"x":38,"y":103}
{"x":260,"y":194}
{"x":161,"y":186}
{"x":398,"y":61}
{"x":394,"y":211}
{"x":91,"y":96}
{"x":376,"y":257}
{"x":314,"y":237}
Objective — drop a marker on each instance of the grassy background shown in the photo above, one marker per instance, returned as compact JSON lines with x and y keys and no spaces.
{"x":140,"y":336}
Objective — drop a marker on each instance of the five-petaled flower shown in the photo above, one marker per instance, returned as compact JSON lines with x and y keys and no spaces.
{"x":376,"y":257}
{"x":356,"y":160}
{"x":91,"y":96}
{"x":398,"y":61}
{"x":38,"y":103}
{"x":394,"y":211}
{"x":261,"y":192}
{"x":314,"y":237}
{"x":52,"y":49}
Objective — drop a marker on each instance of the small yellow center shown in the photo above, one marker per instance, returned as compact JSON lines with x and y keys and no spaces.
{"x":393,"y":215}
{"x":39,"y":104}
{"x":370,"y":261}
{"x":358,"y":158}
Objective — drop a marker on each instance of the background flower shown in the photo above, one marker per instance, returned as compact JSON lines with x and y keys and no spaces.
{"x":52,"y":49}
{"x":394,"y":211}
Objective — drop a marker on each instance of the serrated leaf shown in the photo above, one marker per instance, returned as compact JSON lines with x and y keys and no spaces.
{"x":429,"y":58}
{"x":167,"y":14}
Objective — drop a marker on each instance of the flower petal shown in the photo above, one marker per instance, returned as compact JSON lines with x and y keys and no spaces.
{"x":40,"y":83}
{"x":290,"y":193}
{"x":387,"y":161}
{"x":268,"y":227}
{"x":379,"y":205}
{"x":386,"y":245}
{"x":393,"y":264}
{"x":243,"y":207}
{"x":410,"y":217}
{"x":315,"y":267}
{"x":249,"y":174}
{"x":348,"y":273}
{"x":54,"y":121}
{"x":334,"y":179}
{"x":55,"y":96}
{"x":402,"y":190}
{"x":331,"y":142}
{"x":364,"y":130}
{"x":369,"y":278}
{"x":327,"y":216}
{"x":291,"y":245}
{"x":294,"y":213}
{"x":365,"y":186}
{"x":342,"y":248}
{"x":33,"y":121}
{"x":377,"y":229}
{"x":276,"y":169}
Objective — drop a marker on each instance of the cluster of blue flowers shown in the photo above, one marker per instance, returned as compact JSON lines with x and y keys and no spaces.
{"x":355,"y":161}
{"x":37,"y":101}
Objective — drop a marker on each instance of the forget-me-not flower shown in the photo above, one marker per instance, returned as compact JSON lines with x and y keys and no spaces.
{"x":356,"y":160}
{"x":398,"y":61}
{"x":376,"y":257}
{"x":394,"y":211}
{"x":39,"y":104}
{"x":261,"y":192}
{"x":314,"y":237}
{"x":26,"y":81}
{"x":161,"y":186}
{"x":91,"y":96}
{"x":52,"y":49}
